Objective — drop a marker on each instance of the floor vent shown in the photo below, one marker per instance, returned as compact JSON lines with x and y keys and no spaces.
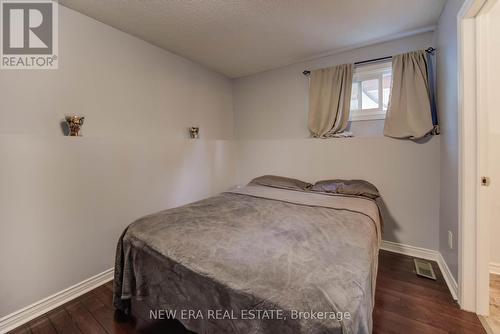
{"x":424,"y":268}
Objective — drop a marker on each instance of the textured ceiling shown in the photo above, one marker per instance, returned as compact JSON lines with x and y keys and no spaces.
{"x":239,"y":38}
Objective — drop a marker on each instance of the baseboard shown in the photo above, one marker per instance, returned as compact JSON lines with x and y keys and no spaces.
{"x":495,"y":268}
{"x":448,"y":277}
{"x":426,"y":254}
{"x":34,"y":310}
{"x":419,"y":252}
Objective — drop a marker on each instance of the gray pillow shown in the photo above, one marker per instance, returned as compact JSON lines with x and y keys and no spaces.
{"x":281,"y":182}
{"x":347,"y":187}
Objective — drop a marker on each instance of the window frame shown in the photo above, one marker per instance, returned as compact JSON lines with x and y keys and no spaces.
{"x":370,"y":72}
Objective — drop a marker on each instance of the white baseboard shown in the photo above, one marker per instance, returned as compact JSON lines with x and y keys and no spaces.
{"x":448,"y":277}
{"x":419,"y":252}
{"x":426,"y":254}
{"x":495,"y":268}
{"x":43,"y":306}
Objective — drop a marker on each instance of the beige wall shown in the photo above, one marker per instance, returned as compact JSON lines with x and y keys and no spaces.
{"x":494,"y":130}
{"x":447,"y":98}
{"x":271,"y":125}
{"x":65,"y":201}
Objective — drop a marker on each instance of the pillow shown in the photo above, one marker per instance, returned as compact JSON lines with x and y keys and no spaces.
{"x":347,"y":187}
{"x":281,"y":182}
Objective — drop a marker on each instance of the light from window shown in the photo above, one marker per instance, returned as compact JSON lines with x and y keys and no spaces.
{"x":371,"y":89}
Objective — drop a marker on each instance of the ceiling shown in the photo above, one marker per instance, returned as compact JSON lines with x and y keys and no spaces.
{"x":239,"y":38}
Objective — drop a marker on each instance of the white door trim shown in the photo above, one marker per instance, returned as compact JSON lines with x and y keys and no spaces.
{"x":473,"y":219}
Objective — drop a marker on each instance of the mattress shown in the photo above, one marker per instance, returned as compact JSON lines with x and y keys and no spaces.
{"x":255,"y":260}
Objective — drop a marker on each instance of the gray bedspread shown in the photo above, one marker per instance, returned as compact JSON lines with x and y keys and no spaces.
{"x":255,"y":260}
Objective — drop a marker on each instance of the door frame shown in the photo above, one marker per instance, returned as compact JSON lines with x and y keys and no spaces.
{"x":474,"y":245}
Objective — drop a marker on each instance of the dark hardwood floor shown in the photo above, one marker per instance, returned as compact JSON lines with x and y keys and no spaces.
{"x":404,"y":303}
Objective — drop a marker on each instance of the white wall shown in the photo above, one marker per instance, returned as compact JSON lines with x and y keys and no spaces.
{"x":274,"y":104}
{"x":494,"y":130}
{"x":405,"y":173}
{"x":447,"y":99}
{"x":64,"y":201}
{"x":122,"y":84}
{"x":494,"y":173}
{"x":271,"y":125}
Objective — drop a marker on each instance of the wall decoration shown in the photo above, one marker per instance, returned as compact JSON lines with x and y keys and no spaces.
{"x":75,"y":124}
{"x":194,"y":132}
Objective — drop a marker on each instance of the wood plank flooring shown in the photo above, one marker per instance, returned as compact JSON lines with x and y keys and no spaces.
{"x":404,"y":303}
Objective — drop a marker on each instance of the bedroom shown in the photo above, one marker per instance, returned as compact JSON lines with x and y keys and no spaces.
{"x":149,"y":76}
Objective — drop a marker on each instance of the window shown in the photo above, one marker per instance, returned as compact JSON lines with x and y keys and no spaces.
{"x":371,"y":88}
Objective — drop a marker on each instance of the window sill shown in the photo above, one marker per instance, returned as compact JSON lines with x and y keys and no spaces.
{"x":357,"y":118}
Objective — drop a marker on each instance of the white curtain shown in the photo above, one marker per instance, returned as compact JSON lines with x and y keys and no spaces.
{"x":409,"y":111}
{"x":329,"y":100}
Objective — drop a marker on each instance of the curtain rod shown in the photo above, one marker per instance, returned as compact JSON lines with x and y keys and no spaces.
{"x":428,"y":50}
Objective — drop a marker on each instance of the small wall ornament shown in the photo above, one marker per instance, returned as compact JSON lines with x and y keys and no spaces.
{"x":75,"y":124}
{"x":194,"y":132}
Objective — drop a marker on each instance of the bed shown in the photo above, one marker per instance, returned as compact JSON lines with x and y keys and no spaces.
{"x":255,"y":259}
